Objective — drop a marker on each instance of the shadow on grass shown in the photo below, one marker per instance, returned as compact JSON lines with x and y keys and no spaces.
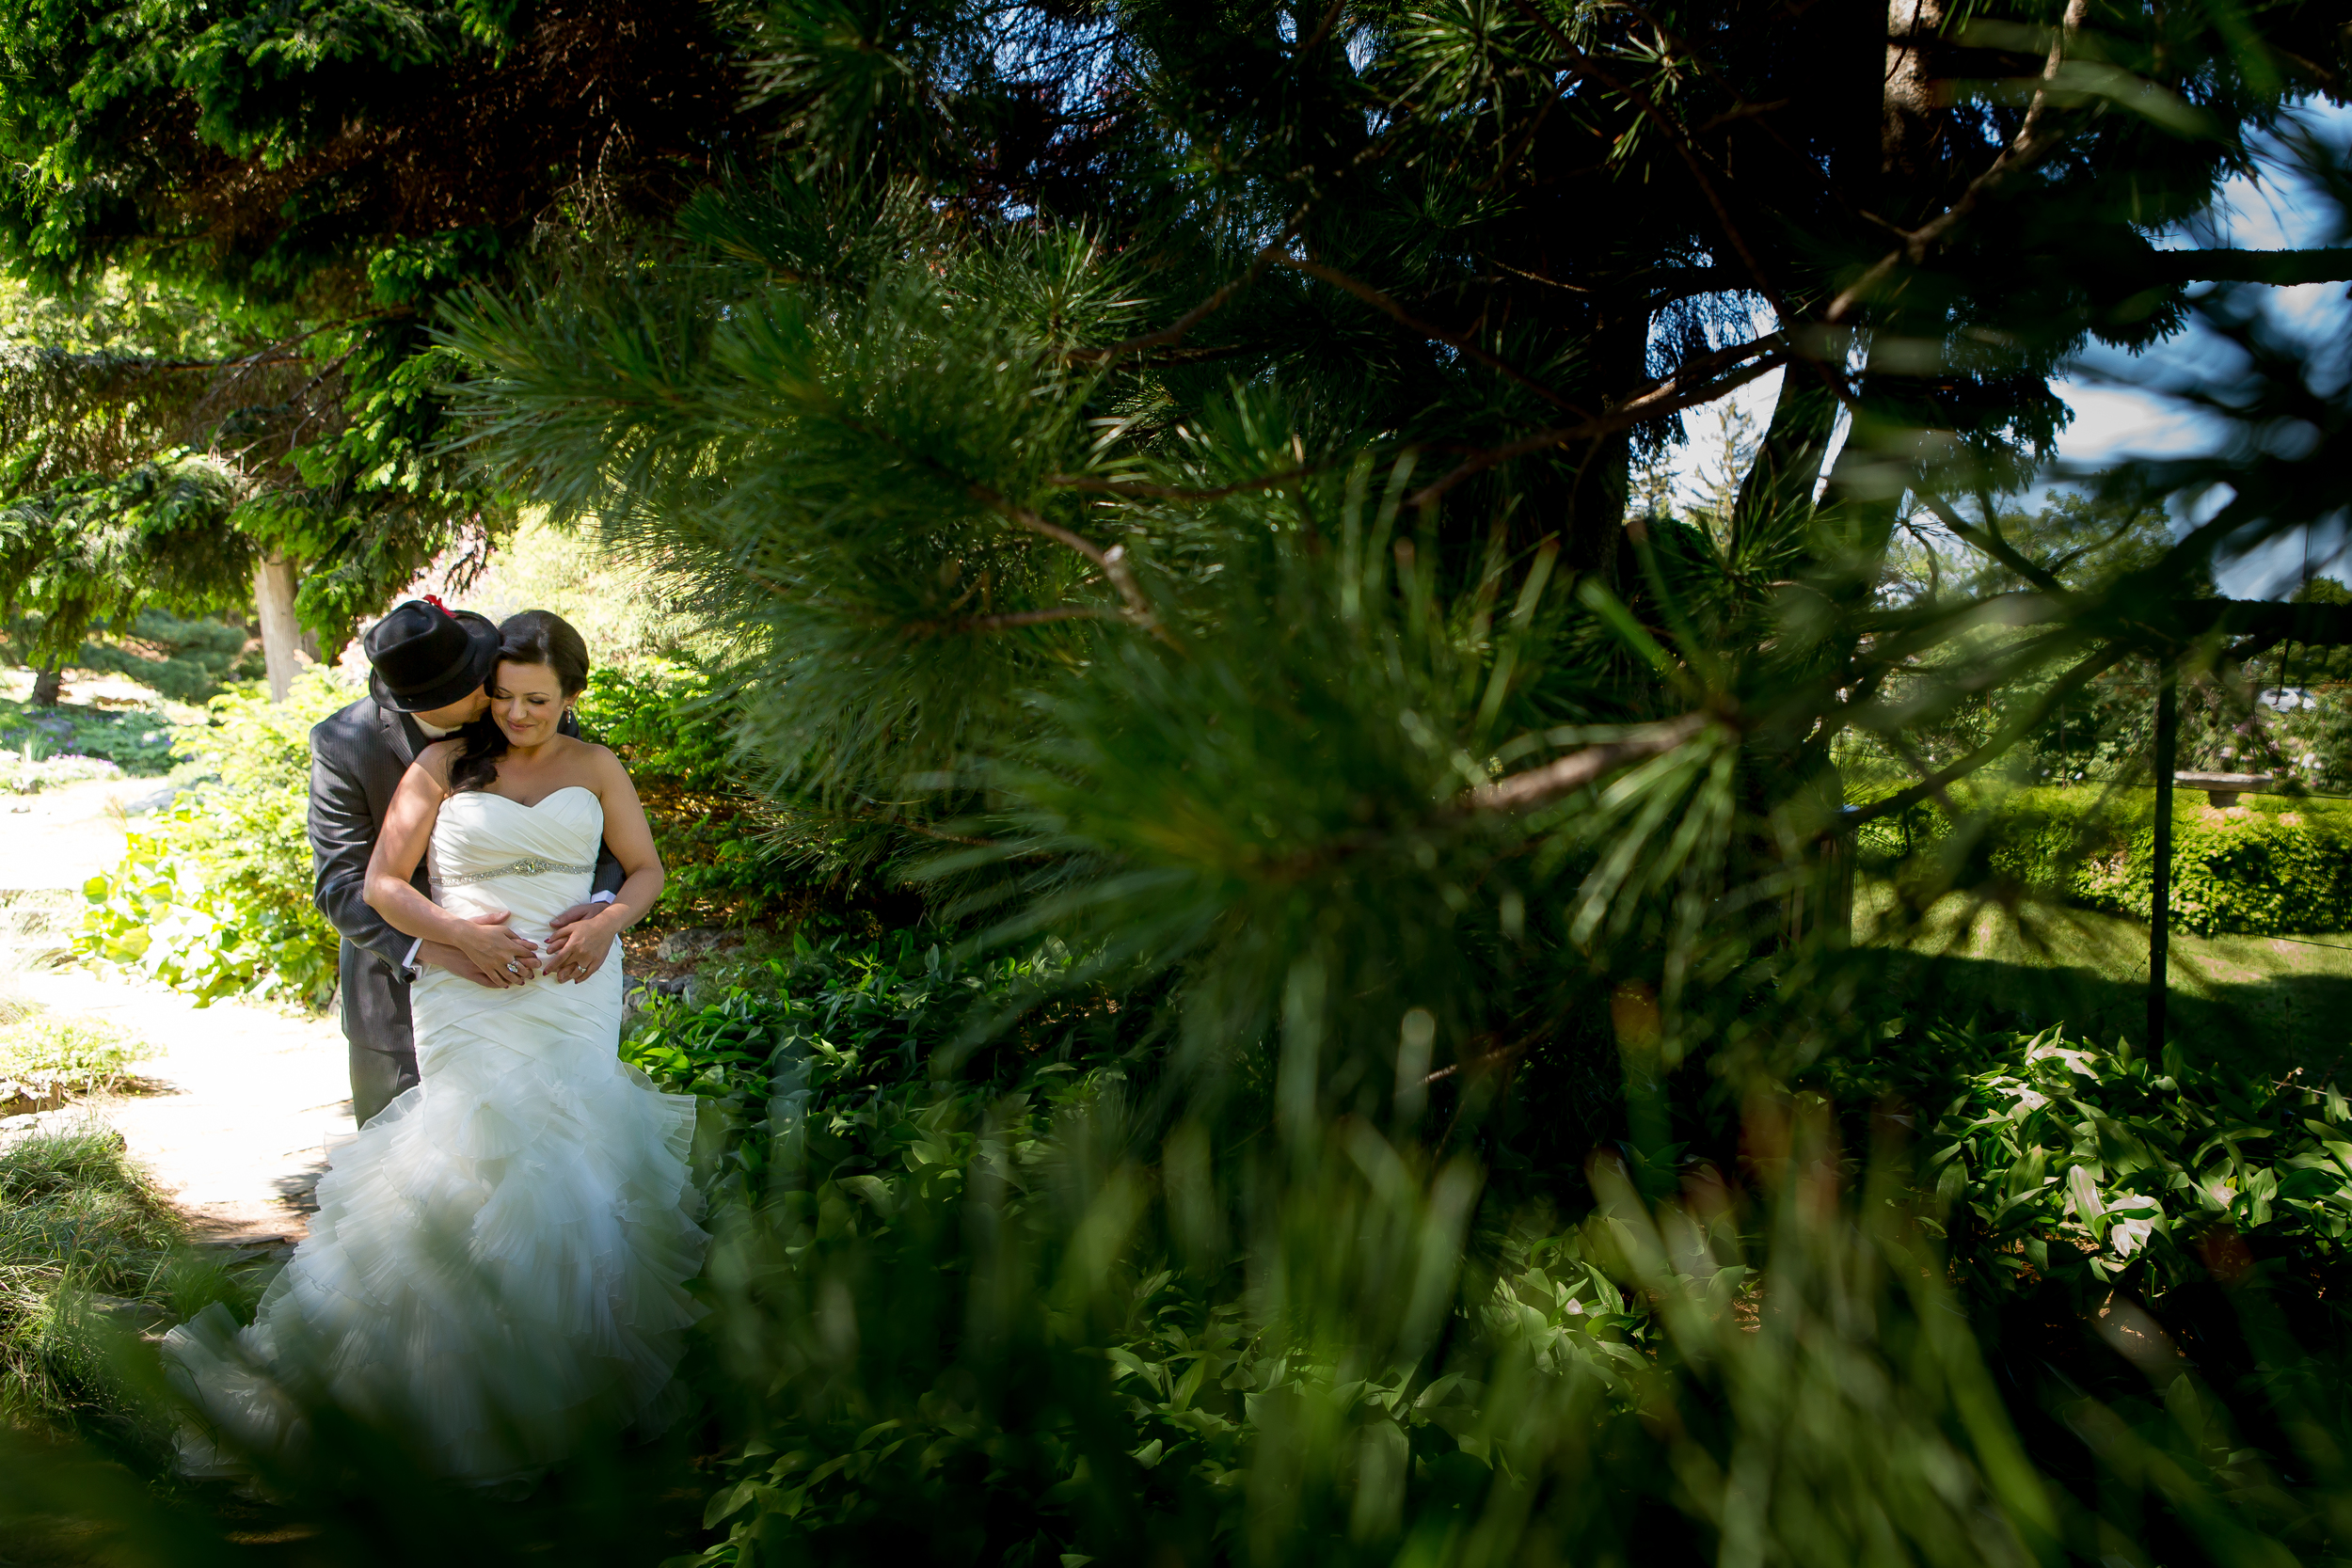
{"x":2272,"y":1024}
{"x":2261,"y":1003}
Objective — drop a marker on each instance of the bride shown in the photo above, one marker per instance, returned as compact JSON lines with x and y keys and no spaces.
{"x":497,"y":1261}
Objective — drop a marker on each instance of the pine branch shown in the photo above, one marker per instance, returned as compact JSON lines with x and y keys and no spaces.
{"x":2226,"y":265}
{"x":1383,"y":303}
{"x":1147,"y":490}
{"x":1586,"y":66}
{"x":1992,"y":544}
{"x":1997,"y":747}
{"x":1174,"y":332}
{"x":1010,"y":619}
{"x":1541,"y":786}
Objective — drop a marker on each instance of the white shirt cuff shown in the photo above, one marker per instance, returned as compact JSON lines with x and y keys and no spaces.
{"x":602,"y":897}
{"x":410,"y":963}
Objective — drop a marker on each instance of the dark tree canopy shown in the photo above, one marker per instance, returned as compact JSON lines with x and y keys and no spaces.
{"x":312,"y":179}
{"x":343,"y":158}
{"x":1027,"y":410}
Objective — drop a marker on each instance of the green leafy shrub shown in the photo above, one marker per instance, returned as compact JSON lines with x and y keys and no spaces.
{"x":724,"y":867}
{"x":2267,"y":867}
{"x":215,"y":899}
{"x":2257,"y":872}
{"x":664,"y":722}
{"x":733,"y":857}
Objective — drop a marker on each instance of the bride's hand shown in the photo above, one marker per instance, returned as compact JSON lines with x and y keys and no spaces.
{"x":506,"y":958}
{"x":578,"y":949}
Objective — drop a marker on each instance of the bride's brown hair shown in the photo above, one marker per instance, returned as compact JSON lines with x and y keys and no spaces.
{"x":534,"y":637}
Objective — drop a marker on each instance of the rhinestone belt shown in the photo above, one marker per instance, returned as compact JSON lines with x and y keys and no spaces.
{"x":533,"y":867}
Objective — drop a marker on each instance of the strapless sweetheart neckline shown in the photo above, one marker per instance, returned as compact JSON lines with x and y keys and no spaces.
{"x":533,"y":805}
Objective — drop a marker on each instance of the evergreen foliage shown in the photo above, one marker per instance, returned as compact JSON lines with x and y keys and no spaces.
{"x":1226,"y":546}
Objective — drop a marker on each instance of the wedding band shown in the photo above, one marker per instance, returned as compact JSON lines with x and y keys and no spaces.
{"x":513,"y":969}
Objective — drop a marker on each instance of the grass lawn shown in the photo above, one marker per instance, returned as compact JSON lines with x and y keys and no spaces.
{"x":2272,"y":1003}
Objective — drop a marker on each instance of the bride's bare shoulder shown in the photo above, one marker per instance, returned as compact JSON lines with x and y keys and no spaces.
{"x":600,"y":764}
{"x":436,"y":759}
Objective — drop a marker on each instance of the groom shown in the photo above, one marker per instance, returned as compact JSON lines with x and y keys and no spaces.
{"x":431,"y":667}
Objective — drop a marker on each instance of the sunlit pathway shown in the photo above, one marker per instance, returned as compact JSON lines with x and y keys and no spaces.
{"x":244,"y":1105}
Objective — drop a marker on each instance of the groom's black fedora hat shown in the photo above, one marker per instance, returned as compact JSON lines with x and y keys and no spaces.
{"x":427,"y":657}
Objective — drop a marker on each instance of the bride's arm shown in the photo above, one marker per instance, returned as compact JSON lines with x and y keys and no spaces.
{"x":579,"y":950}
{"x":407,"y":828}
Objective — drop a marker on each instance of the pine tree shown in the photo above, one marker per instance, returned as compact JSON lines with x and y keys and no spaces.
{"x":1250,"y":453}
{"x":1203,"y":526}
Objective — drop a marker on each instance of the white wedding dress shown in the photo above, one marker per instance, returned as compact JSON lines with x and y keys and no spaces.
{"x":497,"y":1261}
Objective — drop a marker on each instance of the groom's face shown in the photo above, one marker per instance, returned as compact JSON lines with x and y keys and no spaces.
{"x":460,"y":713}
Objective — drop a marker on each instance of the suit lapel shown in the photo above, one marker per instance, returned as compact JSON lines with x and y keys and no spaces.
{"x":400,"y":734}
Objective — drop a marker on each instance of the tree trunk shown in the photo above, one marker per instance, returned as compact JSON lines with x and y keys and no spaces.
{"x":273,"y":600}
{"x":1912,"y":119}
{"x":48,"y":686}
{"x":1598,"y":470}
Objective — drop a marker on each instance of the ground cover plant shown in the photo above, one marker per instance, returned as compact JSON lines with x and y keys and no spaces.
{"x":45,"y":1060}
{"x":2071,"y":1190}
{"x":67,"y":742}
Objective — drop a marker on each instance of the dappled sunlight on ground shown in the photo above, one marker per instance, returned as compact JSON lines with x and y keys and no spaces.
{"x":2273,"y":1002}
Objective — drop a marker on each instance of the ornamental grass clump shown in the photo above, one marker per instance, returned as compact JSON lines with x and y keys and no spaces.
{"x":88,"y":1248}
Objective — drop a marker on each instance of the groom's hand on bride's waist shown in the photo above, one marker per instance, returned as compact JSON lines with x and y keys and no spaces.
{"x":442,"y":956}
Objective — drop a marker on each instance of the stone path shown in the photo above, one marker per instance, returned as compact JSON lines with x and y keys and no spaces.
{"x":241,"y":1104}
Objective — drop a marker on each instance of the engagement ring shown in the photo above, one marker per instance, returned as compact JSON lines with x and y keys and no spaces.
{"x":513,"y":969}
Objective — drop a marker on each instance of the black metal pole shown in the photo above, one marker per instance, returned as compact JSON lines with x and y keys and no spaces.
{"x":2160,"y":880}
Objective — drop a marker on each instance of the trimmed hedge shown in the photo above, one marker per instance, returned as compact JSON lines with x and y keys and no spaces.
{"x":2268,"y":865}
